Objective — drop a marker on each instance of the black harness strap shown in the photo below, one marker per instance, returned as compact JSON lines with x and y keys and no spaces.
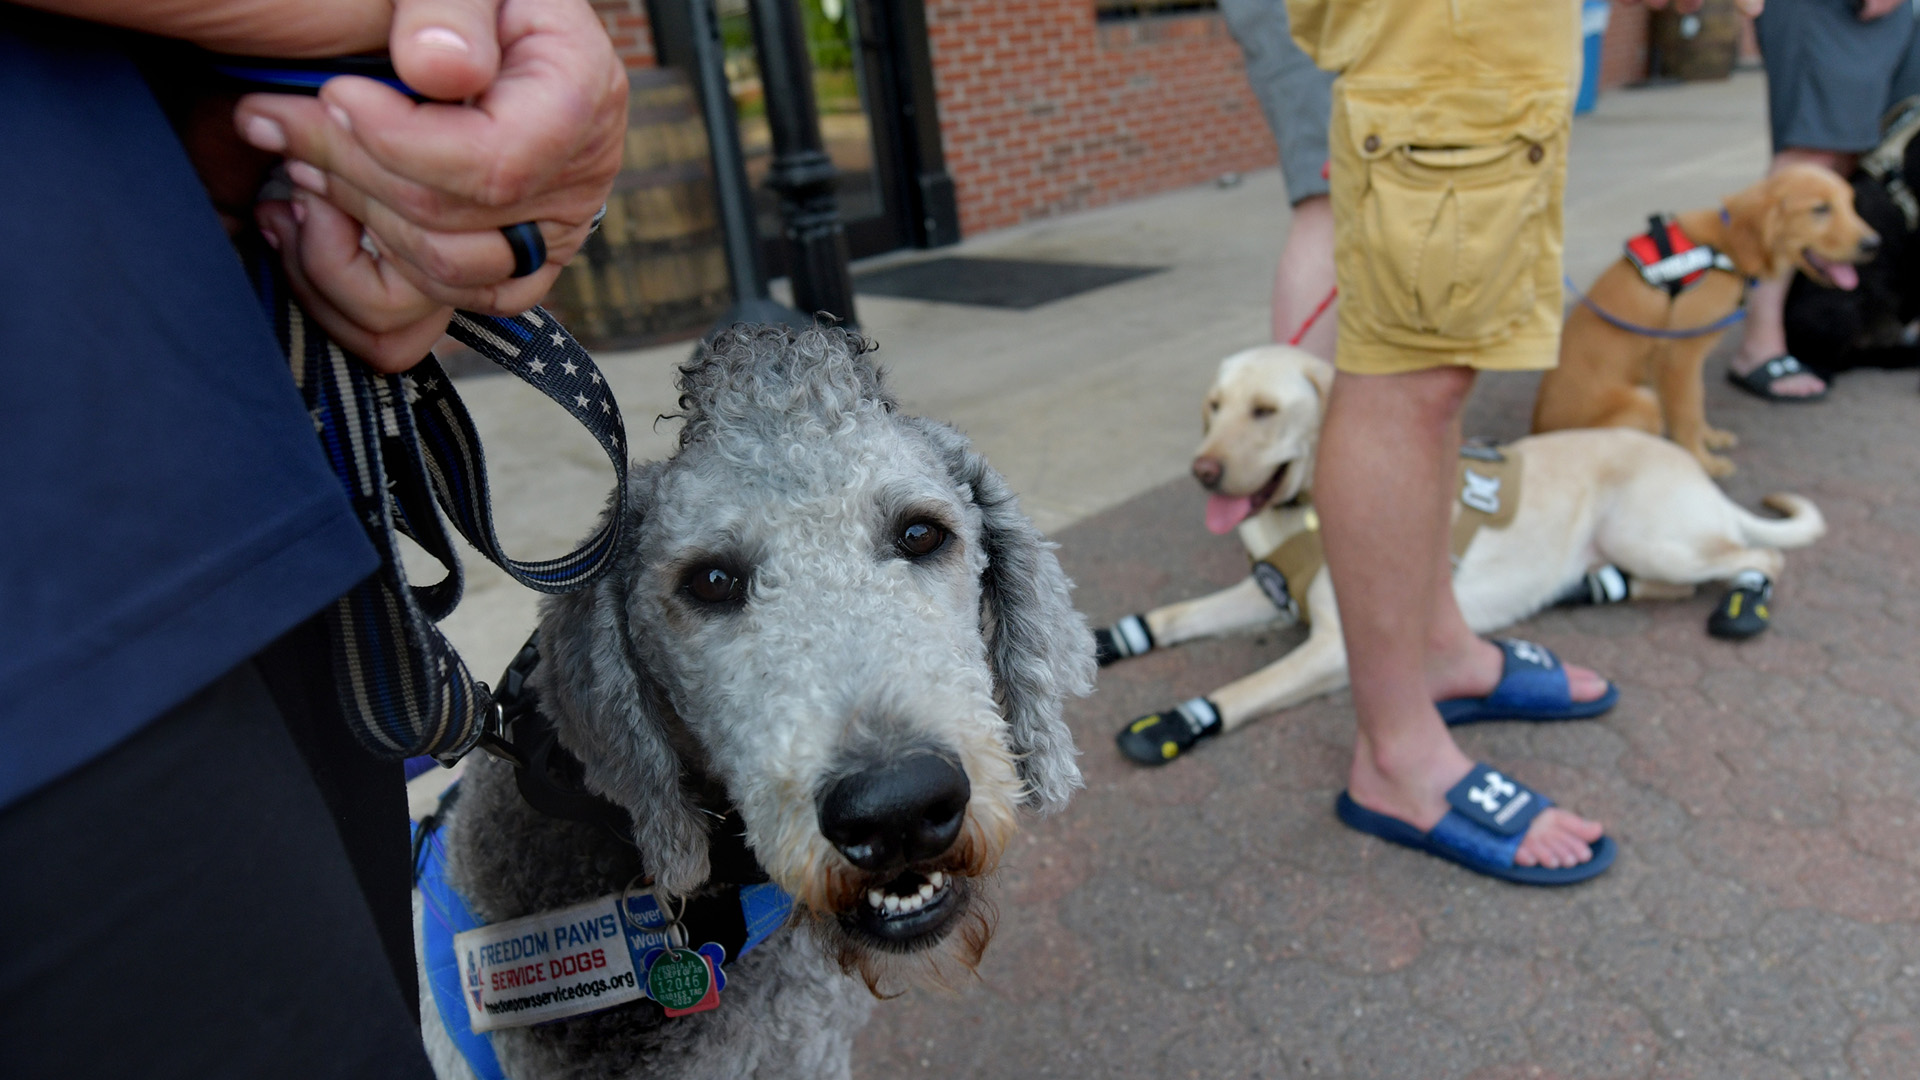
{"x":1662,"y":243}
{"x":553,"y":782}
{"x":1657,"y":229}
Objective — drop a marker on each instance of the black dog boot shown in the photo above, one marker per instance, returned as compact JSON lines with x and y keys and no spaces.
{"x":1128,"y":637}
{"x":1743,"y":612}
{"x":1607,"y":585}
{"x":1158,"y":738}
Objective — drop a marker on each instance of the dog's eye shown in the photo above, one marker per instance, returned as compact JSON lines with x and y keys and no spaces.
{"x":1261,"y":412}
{"x":1823,"y":208}
{"x":714,"y":585}
{"x":920,"y":539}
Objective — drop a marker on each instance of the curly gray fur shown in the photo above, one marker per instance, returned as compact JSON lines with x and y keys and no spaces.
{"x":796,"y":468}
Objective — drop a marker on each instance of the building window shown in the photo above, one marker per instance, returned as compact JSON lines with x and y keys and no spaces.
{"x":1119,"y":10}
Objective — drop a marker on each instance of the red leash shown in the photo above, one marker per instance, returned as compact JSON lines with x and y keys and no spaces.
{"x":1315,"y":317}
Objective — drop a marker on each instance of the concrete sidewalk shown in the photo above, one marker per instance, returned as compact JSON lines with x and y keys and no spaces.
{"x":1211,"y":919}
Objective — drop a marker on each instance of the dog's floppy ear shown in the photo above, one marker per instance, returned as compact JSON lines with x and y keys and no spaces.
{"x":1755,"y":217}
{"x":613,"y":717}
{"x":1320,"y":374}
{"x":1039,"y":646}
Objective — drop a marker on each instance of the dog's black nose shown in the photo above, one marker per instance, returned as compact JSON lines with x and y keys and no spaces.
{"x":898,"y":813}
{"x":1207,"y":470}
{"x":1869,"y":243}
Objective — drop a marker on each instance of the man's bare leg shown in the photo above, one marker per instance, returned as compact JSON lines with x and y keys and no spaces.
{"x":1305,"y":277}
{"x":1766,"y":335}
{"x":1386,"y":450}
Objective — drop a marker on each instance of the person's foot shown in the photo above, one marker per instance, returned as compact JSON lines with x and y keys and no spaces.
{"x":1802,"y":384}
{"x":1476,"y":672}
{"x":1413,"y":788}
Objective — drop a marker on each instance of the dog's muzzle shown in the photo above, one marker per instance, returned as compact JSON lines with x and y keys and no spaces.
{"x":895,"y":822}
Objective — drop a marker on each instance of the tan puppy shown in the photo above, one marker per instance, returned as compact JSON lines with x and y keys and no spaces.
{"x":1801,"y":217}
{"x":1585,"y":499}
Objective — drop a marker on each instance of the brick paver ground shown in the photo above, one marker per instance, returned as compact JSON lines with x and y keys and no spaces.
{"x":1212,"y":919}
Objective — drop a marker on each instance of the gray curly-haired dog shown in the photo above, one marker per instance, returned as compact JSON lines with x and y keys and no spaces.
{"x":835,"y":619}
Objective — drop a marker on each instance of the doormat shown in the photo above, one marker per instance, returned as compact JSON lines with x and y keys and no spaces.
{"x":1019,"y":284}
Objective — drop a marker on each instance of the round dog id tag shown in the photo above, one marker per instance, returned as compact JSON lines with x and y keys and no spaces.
{"x":679,"y":979}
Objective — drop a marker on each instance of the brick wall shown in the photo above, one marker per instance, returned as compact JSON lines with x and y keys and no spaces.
{"x":1043,"y":111}
{"x":626,"y":22}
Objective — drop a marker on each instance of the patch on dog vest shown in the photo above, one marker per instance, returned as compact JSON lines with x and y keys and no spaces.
{"x":1288,"y":568}
{"x":556,"y":964}
{"x":1488,"y":480}
{"x":1668,"y":259}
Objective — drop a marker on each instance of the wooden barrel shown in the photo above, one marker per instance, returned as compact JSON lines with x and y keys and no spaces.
{"x":1702,"y":45}
{"x":656,"y":270}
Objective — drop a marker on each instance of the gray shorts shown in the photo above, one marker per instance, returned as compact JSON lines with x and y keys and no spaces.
{"x":1296,"y":96}
{"x":1830,"y":76}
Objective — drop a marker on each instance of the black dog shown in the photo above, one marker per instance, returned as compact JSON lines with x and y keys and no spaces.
{"x":1878,"y":323}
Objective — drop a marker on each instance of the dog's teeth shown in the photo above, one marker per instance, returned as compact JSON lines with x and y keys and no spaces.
{"x":926,"y":891}
{"x":893,"y":904}
{"x":938,"y":879}
{"x":910,"y":904}
{"x":875,"y":897}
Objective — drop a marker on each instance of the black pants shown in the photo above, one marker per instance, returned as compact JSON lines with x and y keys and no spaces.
{"x":201,"y":901}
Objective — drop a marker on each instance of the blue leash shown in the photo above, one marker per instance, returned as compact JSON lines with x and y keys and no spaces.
{"x":1648,"y":331}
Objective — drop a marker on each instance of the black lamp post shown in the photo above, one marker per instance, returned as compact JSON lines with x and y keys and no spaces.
{"x":733,"y":198}
{"x":801,"y":174}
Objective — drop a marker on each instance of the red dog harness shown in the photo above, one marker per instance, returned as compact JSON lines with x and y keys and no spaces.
{"x":1667,"y":258}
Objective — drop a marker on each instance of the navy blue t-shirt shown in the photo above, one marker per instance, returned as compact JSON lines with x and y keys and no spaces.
{"x":165,"y":511}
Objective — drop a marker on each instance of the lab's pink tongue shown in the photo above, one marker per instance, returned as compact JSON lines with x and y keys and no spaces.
{"x":1844,"y":275}
{"x":1226,"y":511}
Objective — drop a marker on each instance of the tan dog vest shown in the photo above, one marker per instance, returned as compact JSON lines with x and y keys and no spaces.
{"x":1289,"y":567}
{"x":1488,"y":481}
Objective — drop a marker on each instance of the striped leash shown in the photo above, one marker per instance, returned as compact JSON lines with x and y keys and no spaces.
{"x":404,"y":448}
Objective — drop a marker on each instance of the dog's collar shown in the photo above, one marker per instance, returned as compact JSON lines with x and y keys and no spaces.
{"x":1668,"y":259}
{"x":551,"y":781}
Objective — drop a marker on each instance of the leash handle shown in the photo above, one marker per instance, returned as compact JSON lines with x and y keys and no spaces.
{"x":535,"y":348}
{"x":404,"y":447}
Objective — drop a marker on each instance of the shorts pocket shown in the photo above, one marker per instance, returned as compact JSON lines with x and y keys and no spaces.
{"x":1453,"y":234}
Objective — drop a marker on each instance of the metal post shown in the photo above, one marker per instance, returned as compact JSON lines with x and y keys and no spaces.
{"x":733,"y":197}
{"x":801,"y":172}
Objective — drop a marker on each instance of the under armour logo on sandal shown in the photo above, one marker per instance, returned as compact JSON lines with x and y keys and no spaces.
{"x":1498,"y":790}
{"x":1532,"y":654}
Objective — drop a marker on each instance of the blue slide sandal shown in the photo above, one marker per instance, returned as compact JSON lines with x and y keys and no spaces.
{"x":1533,"y":686}
{"x":1482,"y":831}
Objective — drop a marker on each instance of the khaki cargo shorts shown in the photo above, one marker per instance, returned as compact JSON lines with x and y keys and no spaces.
{"x":1448,"y":146}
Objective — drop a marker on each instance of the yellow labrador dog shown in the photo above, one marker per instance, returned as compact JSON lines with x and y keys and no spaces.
{"x":1599,"y":514}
